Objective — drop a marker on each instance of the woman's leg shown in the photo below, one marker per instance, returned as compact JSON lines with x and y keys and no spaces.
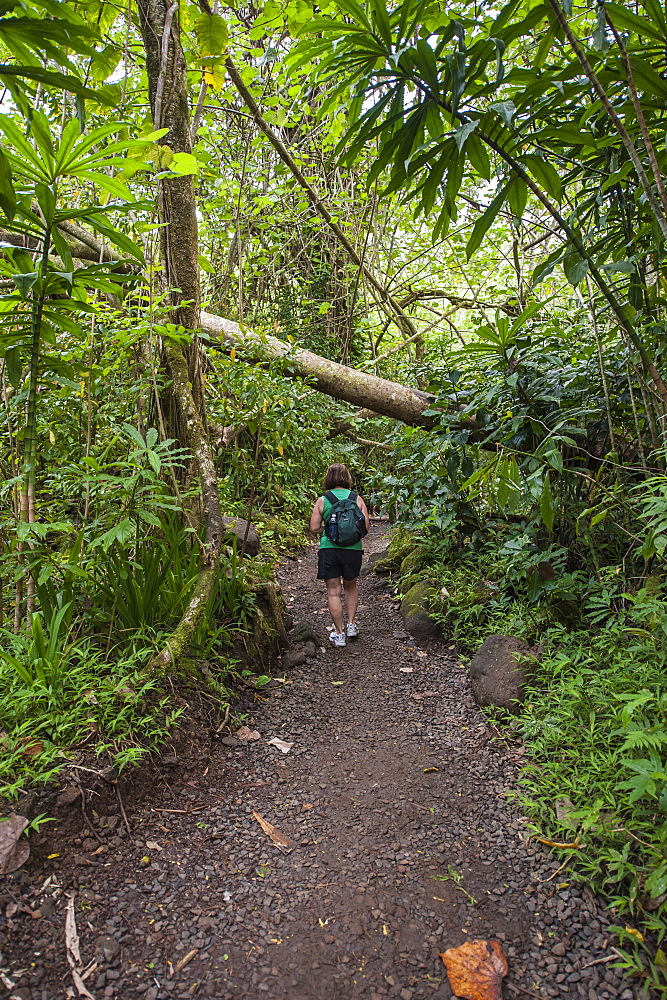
{"x":335,"y":603}
{"x":351,"y":599}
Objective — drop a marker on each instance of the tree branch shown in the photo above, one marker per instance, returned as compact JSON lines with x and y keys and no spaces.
{"x":661,"y":219}
{"x":384,"y":297}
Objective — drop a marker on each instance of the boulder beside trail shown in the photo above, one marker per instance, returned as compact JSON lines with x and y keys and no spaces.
{"x":498,"y":678}
{"x":304,"y":632}
{"x":379,"y":562}
{"x":237,"y":526}
{"x":415,"y":609}
{"x":293,"y":658}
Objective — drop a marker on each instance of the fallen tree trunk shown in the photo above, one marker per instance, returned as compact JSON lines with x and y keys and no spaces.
{"x":389,"y":399}
{"x":382,"y":396}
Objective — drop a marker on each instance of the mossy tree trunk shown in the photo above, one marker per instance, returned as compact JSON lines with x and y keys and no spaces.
{"x":168,"y":93}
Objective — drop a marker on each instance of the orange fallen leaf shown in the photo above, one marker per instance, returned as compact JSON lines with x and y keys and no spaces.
{"x":476,"y":969}
{"x":558,"y":843}
{"x":276,"y":836}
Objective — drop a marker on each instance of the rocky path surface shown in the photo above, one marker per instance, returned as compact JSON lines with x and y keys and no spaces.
{"x":398,"y":800}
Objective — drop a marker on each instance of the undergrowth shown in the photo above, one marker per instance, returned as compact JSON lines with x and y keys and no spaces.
{"x":60,"y":696}
{"x":74,"y":681}
{"x":595,"y":728}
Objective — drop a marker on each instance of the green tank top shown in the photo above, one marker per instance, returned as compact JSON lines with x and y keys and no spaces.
{"x":342,"y":493}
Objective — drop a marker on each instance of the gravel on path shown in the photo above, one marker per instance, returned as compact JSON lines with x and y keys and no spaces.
{"x":398,"y":798}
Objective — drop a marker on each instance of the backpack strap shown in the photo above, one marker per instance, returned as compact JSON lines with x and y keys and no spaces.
{"x":332,"y":498}
{"x":352,"y":496}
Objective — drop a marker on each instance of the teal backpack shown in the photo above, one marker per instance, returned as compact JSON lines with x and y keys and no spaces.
{"x":345,"y":525}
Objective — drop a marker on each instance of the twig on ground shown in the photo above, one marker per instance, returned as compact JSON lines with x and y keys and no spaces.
{"x":558,"y":870}
{"x":82,"y":793}
{"x":185,"y":961}
{"x":72,"y":948}
{"x":225,"y":720}
{"x":521,"y":989}
{"x":185,"y":812}
{"x":122,"y":812}
{"x":600,"y":961}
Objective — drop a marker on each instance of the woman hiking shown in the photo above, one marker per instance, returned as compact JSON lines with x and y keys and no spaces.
{"x":345,"y":519}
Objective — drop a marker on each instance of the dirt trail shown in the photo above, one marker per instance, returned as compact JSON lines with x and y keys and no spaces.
{"x":395,"y":794}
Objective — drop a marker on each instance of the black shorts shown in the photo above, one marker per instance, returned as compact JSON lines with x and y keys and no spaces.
{"x":332,"y":563}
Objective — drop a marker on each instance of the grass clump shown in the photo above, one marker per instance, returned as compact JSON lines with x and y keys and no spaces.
{"x":595,"y":727}
{"x":61,"y":695}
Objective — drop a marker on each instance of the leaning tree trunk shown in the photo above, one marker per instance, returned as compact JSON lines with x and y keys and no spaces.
{"x":168,"y":94}
{"x":349,"y":384}
{"x":379,"y":395}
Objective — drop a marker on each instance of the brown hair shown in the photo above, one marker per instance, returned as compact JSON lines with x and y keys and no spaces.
{"x":337,"y":475}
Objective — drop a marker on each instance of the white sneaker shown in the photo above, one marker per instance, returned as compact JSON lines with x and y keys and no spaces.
{"x":352,"y":630}
{"x":337,"y":638}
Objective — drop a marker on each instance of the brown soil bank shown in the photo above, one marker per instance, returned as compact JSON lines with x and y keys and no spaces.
{"x":406,"y":843}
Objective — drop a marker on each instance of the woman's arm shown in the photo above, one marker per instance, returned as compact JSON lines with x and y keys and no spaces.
{"x":364,"y":511}
{"x":316,"y":517}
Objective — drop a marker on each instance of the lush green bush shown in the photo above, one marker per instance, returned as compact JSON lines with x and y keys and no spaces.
{"x":59,"y":691}
{"x":595,"y":727}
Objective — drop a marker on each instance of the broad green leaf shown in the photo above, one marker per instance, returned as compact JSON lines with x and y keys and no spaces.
{"x":26,"y":163}
{"x":112,"y":185}
{"x":24,"y":282}
{"x":481,"y":473}
{"x":7,"y":193}
{"x":506,"y":110}
{"x":555,"y":459}
{"x":517,"y":195}
{"x":184,"y":163}
{"x":575,"y":267}
{"x":211,"y":34}
{"x":647,"y":78}
{"x":484,"y":223}
{"x":624,"y":18}
{"x":120,"y":533}
{"x":545,"y":174}
{"x":478,"y":156}
{"x":11,"y":74}
{"x":463,"y":132}
{"x":620,"y":267}
{"x":46,"y":199}
{"x":547,"y":504}
{"x":546,"y":267}
{"x":135,"y":435}
{"x":14,"y":366}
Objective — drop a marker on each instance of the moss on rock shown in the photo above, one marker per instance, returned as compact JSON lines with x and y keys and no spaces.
{"x":401,"y":543}
{"x":415,"y":560}
{"x":415,"y":608}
